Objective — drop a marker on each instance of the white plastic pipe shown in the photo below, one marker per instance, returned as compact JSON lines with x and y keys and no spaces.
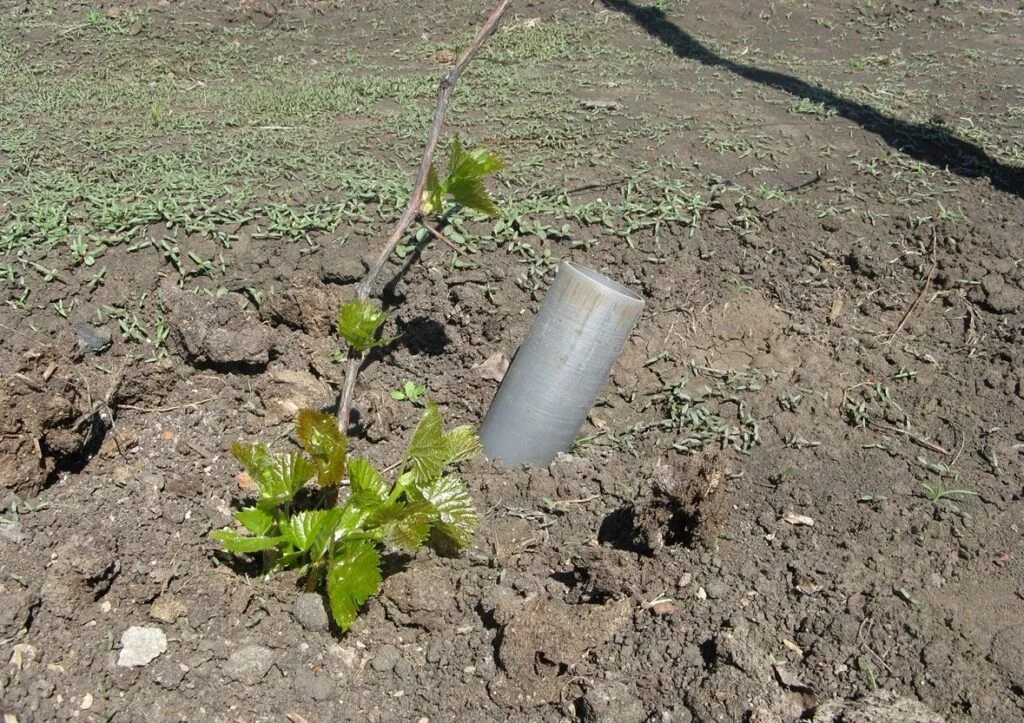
{"x":559,"y":370}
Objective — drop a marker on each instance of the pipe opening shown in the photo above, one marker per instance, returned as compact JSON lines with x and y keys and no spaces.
{"x":608,"y":284}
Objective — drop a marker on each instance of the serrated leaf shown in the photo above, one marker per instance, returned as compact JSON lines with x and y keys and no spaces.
{"x":305,"y":529}
{"x":461,"y":444}
{"x":471,"y":165}
{"x":234,"y":542}
{"x":277,"y":476}
{"x":403,"y":525}
{"x":254,"y":457}
{"x":487,"y":162}
{"x":319,"y":435}
{"x":358,"y":322}
{"x":255,"y":520}
{"x":457,"y":518}
{"x":427,"y":453}
{"x":433,"y":193}
{"x":366,"y":485}
{"x":471,"y":193}
{"x":353,"y":577}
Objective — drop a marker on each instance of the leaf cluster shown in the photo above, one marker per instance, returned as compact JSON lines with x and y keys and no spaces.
{"x":464,"y":183}
{"x":341,"y":546}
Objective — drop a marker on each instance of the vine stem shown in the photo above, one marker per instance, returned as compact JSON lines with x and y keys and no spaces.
{"x":412,"y":210}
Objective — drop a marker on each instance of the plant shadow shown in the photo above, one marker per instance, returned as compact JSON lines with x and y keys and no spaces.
{"x":930,"y":143}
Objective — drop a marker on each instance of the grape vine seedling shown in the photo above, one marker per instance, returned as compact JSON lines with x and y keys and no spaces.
{"x":339,"y":548}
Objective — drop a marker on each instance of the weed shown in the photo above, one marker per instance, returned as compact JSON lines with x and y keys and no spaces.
{"x":937,"y":493}
{"x":410,"y":392}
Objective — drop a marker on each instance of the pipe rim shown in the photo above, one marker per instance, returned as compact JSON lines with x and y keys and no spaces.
{"x":605,"y":282}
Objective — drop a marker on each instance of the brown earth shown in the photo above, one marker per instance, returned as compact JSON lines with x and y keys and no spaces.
{"x":744,"y":532}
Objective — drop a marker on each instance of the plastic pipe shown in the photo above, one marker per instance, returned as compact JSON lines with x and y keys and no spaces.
{"x":560,"y":368}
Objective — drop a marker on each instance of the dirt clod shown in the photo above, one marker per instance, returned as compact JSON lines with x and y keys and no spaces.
{"x":610,"y":701}
{"x":309,"y":610}
{"x":249,"y":664}
{"x":884,"y":706}
{"x":216,"y":331}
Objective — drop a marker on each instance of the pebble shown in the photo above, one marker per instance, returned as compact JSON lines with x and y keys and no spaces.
{"x":310,"y":613}
{"x":140,"y":646}
{"x":796,"y":520}
{"x":249,"y":664}
{"x":702,"y":594}
{"x":89,"y":338}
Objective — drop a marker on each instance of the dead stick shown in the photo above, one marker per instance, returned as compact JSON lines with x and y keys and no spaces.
{"x":445,"y":240}
{"x":444,"y":96}
{"x":911,"y":436}
{"x":924,"y":290}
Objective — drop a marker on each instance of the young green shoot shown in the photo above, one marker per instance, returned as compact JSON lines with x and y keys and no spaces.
{"x":338,"y":548}
{"x":937,"y":492}
{"x":410,"y":392}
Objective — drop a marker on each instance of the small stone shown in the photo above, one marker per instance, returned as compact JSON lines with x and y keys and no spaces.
{"x":140,"y":646}
{"x":386,"y":658}
{"x":717,"y":589}
{"x":249,"y":664}
{"x":685,"y":579}
{"x":86,"y":703}
{"x":797,"y":520}
{"x":310,"y":613}
{"x":702,"y":594}
{"x":89,"y":338}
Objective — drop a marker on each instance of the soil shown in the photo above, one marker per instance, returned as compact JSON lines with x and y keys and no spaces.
{"x":745,"y":530}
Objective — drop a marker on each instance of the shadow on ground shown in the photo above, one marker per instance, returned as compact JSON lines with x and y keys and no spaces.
{"x":929,"y":143}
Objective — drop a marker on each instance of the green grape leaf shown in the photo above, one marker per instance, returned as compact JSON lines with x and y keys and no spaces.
{"x":433,"y":193}
{"x":471,"y":165}
{"x":358,"y":322}
{"x":366,"y":485}
{"x":234,"y":542}
{"x":277,"y":476}
{"x":487,"y":162}
{"x":471,"y":193}
{"x":465,"y":181}
{"x":311,"y":530}
{"x":255,"y":520}
{"x":457,"y":518}
{"x":461,"y":444}
{"x":403,"y":525}
{"x":353,"y":577}
{"x":319,"y":435}
{"x":427,"y":453}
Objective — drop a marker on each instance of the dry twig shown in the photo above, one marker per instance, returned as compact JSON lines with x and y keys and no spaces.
{"x":444,"y":96}
{"x":924,"y":290}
